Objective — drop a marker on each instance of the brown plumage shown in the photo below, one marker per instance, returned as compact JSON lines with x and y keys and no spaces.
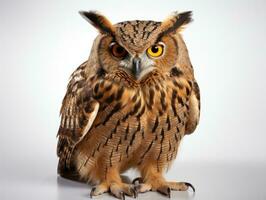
{"x":128,"y":106}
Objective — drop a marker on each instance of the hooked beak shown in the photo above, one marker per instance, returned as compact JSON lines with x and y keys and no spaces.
{"x":136,"y":67}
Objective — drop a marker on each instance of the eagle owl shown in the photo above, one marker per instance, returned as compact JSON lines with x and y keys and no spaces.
{"x":128,"y":106}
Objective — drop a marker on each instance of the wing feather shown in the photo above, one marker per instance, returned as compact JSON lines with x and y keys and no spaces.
{"x":194,"y":109}
{"x":75,"y":119}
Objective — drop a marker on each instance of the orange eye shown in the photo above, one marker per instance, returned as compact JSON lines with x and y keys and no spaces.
{"x":155,"y":50}
{"x":117,"y":51}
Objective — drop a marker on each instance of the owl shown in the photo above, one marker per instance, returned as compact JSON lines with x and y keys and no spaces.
{"x":129,"y":106}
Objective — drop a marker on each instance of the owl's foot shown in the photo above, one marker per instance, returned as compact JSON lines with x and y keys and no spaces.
{"x":117,"y":189}
{"x":162,"y":187}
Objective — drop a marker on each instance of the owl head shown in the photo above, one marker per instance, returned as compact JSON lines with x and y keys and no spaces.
{"x":138,"y":48}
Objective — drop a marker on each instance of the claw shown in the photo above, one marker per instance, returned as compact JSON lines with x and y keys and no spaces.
{"x":165,"y":191}
{"x":134,"y":192}
{"x":122,"y":195}
{"x":139,"y":179}
{"x":190,"y":185}
{"x":137,"y":188}
{"x":92,"y":192}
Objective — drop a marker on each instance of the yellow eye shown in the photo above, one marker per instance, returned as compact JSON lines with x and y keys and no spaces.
{"x":155,"y":50}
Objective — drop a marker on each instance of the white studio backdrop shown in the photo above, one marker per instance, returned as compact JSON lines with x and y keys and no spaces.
{"x":42,"y":42}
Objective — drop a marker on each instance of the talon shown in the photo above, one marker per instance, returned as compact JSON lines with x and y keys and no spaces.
{"x":139,"y":179}
{"x":190,"y":185}
{"x":137,"y":188}
{"x":135,"y":193}
{"x":92,"y":191}
{"x":165,"y":191}
{"x":169,"y":193}
{"x":122,"y":196}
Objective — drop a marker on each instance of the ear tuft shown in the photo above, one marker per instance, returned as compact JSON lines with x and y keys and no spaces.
{"x":176,"y":22}
{"x":98,"y":21}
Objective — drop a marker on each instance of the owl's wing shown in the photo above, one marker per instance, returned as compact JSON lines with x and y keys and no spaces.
{"x":78,"y":112}
{"x":194,"y":109}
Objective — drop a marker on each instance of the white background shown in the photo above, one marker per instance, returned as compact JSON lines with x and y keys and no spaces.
{"x":41,"y":44}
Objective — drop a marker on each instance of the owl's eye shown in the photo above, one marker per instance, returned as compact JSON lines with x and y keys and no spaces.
{"x":155,"y":50}
{"x":117,"y":51}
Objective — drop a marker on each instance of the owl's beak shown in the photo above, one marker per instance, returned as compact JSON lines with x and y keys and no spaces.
{"x":136,"y":66}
